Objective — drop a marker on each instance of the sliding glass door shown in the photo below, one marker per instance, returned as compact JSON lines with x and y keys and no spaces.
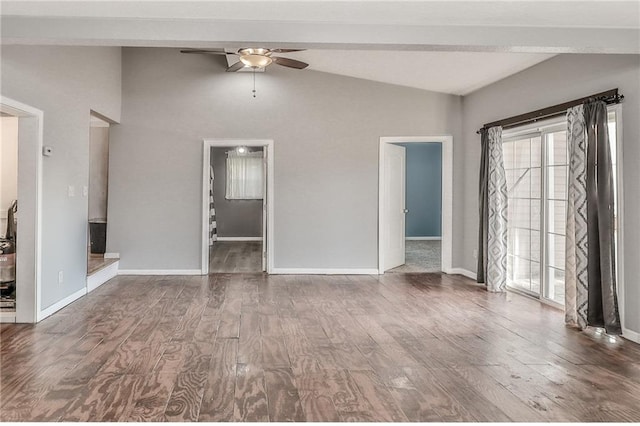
{"x":523,"y":165}
{"x":536,"y":166}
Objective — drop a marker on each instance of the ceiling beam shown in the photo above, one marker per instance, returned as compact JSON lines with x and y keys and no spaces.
{"x":96,"y":31}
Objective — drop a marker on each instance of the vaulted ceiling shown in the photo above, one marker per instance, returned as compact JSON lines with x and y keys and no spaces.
{"x":446,"y":46}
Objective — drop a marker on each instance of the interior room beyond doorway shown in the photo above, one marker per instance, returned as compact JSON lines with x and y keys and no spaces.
{"x":237,"y":192}
{"x":8,"y":213}
{"x":98,"y":195}
{"x":423,"y":198}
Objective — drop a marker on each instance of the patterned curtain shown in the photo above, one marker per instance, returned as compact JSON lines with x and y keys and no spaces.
{"x":590,"y":281}
{"x":576,"y":261}
{"x":496,"y":267}
{"x":213,"y":227}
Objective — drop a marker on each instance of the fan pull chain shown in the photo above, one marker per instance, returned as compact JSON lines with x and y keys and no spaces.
{"x":254,"y":83}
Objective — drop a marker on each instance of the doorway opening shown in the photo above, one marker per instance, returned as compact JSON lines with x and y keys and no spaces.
{"x":21,"y":200}
{"x":415,"y":204}
{"x":8,"y":212}
{"x":237,"y":206}
{"x":423,"y":207}
{"x":98,"y":198}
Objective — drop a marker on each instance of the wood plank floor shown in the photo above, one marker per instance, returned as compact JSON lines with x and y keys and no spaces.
{"x":252,"y":347}
{"x":235,"y":256}
{"x":96,"y":262}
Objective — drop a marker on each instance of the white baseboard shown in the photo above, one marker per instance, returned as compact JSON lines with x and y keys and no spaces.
{"x":102,"y":276}
{"x":631,"y":335}
{"x":321,"y":271}
{"x":61,"y":304}
{"x":423,"y":238}
{"x":7,"y":317}
{"x":239,"y":238}
{"x":461,"y":271}
{"x":159,"y":272}
{"x":112,"y":255}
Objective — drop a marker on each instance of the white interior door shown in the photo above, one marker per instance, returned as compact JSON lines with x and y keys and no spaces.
{"x":264,"y":208}
{"x":394,"y":206}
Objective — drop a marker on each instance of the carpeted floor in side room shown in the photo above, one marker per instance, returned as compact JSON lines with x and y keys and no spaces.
{"x":421,"y":256}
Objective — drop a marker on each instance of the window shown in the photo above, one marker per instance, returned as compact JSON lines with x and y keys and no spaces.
{"x":536,"y":166}
{"x":245,"y":176}
{"x":523,"y":165}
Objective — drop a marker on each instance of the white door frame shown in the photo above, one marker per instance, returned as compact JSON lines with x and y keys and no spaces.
{"x":267,"y":144}
{"x":447,"y":195}
{"x":626,"y":333}
{"x":29,"y":244}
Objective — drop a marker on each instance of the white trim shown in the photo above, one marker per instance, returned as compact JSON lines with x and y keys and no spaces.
{"x":423,"y":238}
{"x":206,"y":161}
{"x":239,"y":238}
{"x":620,"y":200}
{"x":100,"y":277}
{"x":160,"y":272}
{"x":447,"y":195}
{"x":631,"y":335}
{"x":535,"y":297}
{"x":96,"y":122}
{"x":461,"y":271}
{"x":62,"y":303}
{"x":551,"y":125}
{"x":323,"y":271}
{"x":551,"y":303}
{"x":29,"y":287}
{"x":9,"y":317}
{"x":112,"y":255}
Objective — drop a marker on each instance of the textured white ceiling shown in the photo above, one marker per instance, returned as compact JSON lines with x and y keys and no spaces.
{"x":457,"y":73}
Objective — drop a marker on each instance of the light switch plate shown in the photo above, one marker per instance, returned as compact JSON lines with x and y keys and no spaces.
{"x":72,"y":191}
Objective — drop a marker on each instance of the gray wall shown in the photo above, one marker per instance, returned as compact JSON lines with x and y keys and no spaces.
{"x":326,"y":130}
{"x":554,"y":81}
{"x":235,"y":218}
{"x":66,"y":83}
{"x":424,"y":189}
{"x":98,"y":172}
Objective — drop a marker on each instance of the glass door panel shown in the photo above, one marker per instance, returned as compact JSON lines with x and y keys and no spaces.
{"x":556,"y":184}
{"x":522,"y":160}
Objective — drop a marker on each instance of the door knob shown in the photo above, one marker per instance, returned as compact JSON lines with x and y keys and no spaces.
{"x":405,"y":210}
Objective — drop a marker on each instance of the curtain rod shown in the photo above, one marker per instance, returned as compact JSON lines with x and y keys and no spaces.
{"x":610,"y":97}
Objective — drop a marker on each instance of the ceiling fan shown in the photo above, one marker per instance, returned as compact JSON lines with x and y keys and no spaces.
{"x":254,"y":57}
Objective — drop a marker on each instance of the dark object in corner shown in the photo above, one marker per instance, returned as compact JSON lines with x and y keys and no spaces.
{"x":98,"y":235}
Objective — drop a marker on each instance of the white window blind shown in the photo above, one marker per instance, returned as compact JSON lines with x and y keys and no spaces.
{"x":245,"y":176}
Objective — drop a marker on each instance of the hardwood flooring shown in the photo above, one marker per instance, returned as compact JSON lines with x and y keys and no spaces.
{"x":235,"y":256}
{"x":96,"y":262}
{"x":252,"y":347}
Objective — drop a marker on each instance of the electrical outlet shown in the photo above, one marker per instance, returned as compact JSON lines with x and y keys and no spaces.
{"x":475,"y":253}
{"x":71,"y":191}
{"x":60,"y":277}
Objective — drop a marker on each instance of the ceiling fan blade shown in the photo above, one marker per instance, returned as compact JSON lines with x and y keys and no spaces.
{"x":235,"y":67}
{"x":286,"y":50}
{"x":291,"y":63}
{"x":207,"y":52}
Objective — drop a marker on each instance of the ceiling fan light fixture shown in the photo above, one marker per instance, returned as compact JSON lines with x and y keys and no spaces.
{"x":255,"y":61}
